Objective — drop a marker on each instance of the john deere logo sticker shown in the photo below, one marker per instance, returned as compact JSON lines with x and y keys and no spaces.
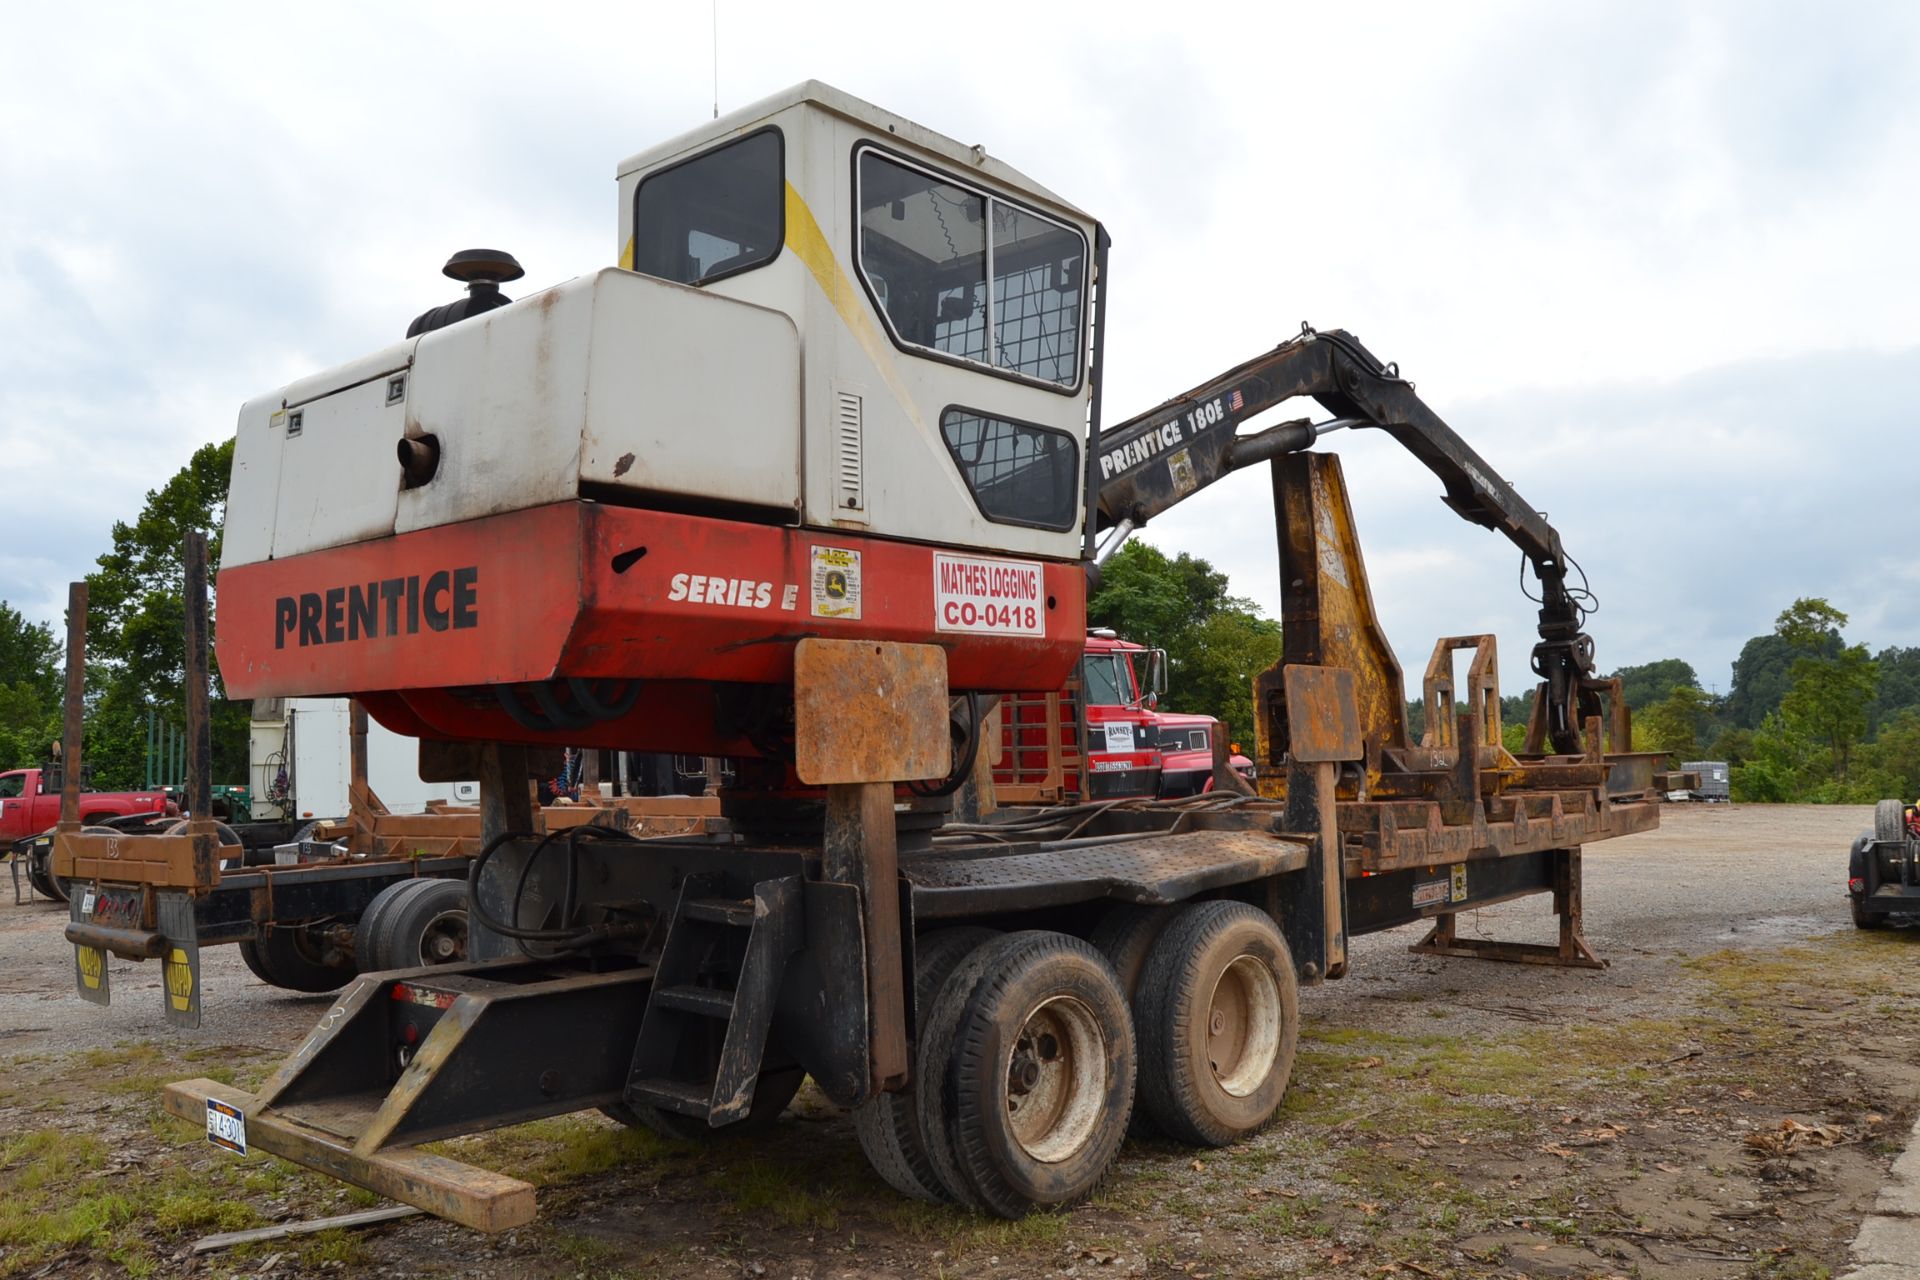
{"x":179,"y":979}
{"x":93,"y":966}
{"x":836,"y":583}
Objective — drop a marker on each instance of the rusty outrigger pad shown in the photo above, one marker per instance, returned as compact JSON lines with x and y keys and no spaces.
{"x":473,"y":1197}
{"x":869,"y":711}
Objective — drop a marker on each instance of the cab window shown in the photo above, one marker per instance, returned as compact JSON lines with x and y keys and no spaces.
{"x":12,"y":786}
{"x":1104,"y":682}
{"x":1019,"y":473}
{"x":969,"y":276}
{"x":716,"y":215}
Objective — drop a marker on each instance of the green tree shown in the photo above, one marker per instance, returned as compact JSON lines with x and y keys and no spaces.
{"x":1676,"y":724}
{"x":1762,"y":674}
{"x":1651,"y":682}
{"x":136,"y":612}
{"x":1215,"y":642}
{"x":1827,"y":702}
{"x":29,"y":689}
{"x":1899,"y":684}
{"x":1890,"y":765}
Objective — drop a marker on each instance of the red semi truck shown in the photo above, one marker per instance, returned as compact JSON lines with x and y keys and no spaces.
{"x":30,"y":803}
{"x":1112,"y":691}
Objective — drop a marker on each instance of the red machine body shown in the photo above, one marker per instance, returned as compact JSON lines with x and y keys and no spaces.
{"x":420,"y":625}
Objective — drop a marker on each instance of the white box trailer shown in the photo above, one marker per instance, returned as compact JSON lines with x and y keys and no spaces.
{"x":309,"y":738}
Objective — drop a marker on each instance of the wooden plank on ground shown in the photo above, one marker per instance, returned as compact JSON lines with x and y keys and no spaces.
{"x":473,"y":1197}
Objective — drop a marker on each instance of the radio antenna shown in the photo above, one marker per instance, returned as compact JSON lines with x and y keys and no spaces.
{"x":716,"y":59}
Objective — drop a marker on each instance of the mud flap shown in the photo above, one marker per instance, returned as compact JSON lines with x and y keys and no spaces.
{"x":90,"y":977}
{"x":180,"y":962}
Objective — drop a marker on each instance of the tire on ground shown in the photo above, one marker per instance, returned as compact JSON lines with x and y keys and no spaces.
{"x":1041,"y":1078}
{"x":1219,"y":1020}
{"x":1889,"y":820}
{"x":1863,"y":918}
{"x":940,"y":1022}
{"x":888,"y":1124}
{"x":1124,"y":936}
{"x":289,"y":958}
{"x":366,"y":931}
{"x":428,"y":926}
{"x":771,"y":1094}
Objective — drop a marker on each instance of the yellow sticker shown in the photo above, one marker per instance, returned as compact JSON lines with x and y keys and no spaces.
{"x":1460,"y":882}
{"x":179,"y":979}
{"x":92,"y":964}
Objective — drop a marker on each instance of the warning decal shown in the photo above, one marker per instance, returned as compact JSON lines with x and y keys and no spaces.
{"x":836,"y":583}
{"x":992,"y":597}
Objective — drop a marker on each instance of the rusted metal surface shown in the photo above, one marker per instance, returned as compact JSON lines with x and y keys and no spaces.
{"x":132,"y":944}
{"x":473,"y":1197}
{"x":1151,"y":869}
{"x":1571,"y":951}
{"x":861,"y":849}
{"x":1328,"y":618}
{"x":870,"y":711}
{"x":1323,"y":720}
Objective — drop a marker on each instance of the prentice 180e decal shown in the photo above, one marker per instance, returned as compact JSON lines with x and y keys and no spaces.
{"x":445,"y":600}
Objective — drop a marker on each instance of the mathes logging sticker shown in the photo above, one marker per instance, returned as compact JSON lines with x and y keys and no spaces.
{"x":836,"y":583}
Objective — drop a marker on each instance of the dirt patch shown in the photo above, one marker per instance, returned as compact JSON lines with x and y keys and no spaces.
{"x":1722,"y":1102}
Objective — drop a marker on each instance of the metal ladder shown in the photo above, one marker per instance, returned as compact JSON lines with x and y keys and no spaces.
{"x":700,"y":987}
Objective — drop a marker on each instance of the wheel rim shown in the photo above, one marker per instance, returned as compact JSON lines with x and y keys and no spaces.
{"x":1056,"y":1076}
{"x":1243,"y":1026}
{"x":444,"y":940}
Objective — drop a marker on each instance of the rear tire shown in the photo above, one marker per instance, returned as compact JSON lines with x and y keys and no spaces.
{"x":366,"y":930}
{"x":428,"y":926}
{"x":1219,"y":1021}
{"x":285,"y":958}
{"x":1863,"y":918}
{"x":888,"y":1124}
{"x":771,"y":1094}
{"x":931,"y":1099}
{"x":1041,"y":1077}
{"x":1124,"y":936}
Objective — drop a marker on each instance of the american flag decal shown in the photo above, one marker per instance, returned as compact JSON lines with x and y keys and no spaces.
{"x":1234,"y":400}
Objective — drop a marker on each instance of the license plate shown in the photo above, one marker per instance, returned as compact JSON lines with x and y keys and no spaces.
{"x":86,"y":904}
{"x":226,"y":1127}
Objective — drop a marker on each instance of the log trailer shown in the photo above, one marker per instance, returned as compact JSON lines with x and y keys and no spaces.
{"x":310,"y":906}
{"x":807,"y":480}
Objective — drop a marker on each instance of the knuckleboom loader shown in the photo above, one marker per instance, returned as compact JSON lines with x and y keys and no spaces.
{"x":808,"y":480}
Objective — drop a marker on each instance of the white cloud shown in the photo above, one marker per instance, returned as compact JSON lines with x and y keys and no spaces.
{"x":1654,"y":262}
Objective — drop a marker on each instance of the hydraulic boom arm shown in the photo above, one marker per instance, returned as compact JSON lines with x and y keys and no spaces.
{"x":1147,"y":464}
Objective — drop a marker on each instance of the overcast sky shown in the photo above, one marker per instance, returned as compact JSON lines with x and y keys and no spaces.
{"x":1658,"y":262}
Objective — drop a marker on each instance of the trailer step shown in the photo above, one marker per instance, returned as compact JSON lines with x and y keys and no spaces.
{"x":674,"y":1095}
{"x":679,"y":1062}
{"x":735,"y":914}
{"x":708,"y":1002}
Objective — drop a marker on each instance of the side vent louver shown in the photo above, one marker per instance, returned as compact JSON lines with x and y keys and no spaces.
{"x":849,"y":492}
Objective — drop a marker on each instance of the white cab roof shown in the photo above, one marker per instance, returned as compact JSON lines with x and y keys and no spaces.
{"x":827,"y":98}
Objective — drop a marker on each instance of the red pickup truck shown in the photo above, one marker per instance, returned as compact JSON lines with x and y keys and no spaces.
{"x":30,"y":804}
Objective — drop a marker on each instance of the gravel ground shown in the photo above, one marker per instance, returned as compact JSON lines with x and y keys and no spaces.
{"x":1723,"y":1100}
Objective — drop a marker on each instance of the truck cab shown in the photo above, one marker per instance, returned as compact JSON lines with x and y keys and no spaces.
{"x":30,"y":803}
{"x":839,"y":381}
{"x":1109,"y":699}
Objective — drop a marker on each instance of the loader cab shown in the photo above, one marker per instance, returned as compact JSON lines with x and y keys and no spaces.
{"x":942,"y":301}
